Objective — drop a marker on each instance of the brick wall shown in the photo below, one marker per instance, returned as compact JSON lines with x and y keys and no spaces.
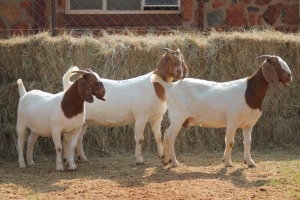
{"x":31,"y":16}
{"x":222,"y":14}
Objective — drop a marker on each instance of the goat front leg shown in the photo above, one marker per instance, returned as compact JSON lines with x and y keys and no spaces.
{"x":66,"y":144}
{"x":30,"y":145}
{"x":56,"y":136}
{"x":229,"y":141}
{"x":72,"y":146}
{"x":169,"y":144}
{"x":139,"y":139}
{"x":79,"y":146}
{"x":247,"y":146}
{"x":156,"y":126}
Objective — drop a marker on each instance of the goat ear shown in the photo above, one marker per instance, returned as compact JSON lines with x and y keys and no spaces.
{"x":85,"y":90}
{"x":269,"y":73}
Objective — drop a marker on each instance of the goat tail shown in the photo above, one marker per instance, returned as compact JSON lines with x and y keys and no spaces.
{"x":21,"y":88}
{"x":66,"y":78}
{"x":154,"y":78}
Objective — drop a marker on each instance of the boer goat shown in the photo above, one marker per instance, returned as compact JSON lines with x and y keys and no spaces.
{"x":49,"y":115}
{"x":135,"y":100}
{"x":234,"y":104}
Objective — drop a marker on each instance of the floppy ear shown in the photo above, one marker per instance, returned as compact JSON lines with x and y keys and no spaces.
{"x":85,"y":90}
{"x":269,"y":73}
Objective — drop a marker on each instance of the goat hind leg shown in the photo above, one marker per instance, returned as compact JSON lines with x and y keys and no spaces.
{"x":30,"y":145}
{"x":139,"y":139}
{"x":21,"y":131}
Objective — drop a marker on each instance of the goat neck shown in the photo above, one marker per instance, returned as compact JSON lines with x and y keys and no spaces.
{"x":72,"y":104}
{"x":165,"y":77}
{"x":159,"y":89}
{"x":256,"y":89}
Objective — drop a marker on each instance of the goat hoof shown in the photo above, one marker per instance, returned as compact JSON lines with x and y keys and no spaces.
{"x":229,"y":165}
{"x":165,"y":164}
{"x":30,"y":163}
{"x":72,"y":167}
{"x":170,"y":161}
{"x":82,"y":159}
{"x":64,"y":160}
{"x":252,"y":166}
{"x":139,"y":163}
{"x":23,"y":166}
{"x":59,"y":168}
{"x":163,"y":157}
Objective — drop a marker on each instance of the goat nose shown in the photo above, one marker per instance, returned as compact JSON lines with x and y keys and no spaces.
{"x":179,"y":71}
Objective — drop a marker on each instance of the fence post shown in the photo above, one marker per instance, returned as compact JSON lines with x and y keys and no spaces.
{"x":39,"y":16}
{"x":53,"y":17}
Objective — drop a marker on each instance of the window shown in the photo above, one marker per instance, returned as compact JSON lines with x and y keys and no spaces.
{"x":122,"y":6}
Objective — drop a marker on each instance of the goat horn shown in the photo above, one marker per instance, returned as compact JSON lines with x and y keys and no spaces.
{"x":263,"y":56}
{"x":80,"y":72}
{"x":166,"y":49}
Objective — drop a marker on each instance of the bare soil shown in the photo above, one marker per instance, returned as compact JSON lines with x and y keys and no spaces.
{"x":115,"y":176}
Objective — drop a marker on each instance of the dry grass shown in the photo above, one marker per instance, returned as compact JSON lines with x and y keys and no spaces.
{"x":41,"y":60}
{"x":201,"y":175}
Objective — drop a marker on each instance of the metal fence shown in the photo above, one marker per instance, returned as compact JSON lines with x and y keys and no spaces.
{"x":144,"y":16}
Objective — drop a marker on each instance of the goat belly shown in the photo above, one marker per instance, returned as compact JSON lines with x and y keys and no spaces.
{"x":217,"y":123}
{"x":109,"y":123}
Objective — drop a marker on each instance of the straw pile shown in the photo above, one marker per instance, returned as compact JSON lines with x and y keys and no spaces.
{"x":41,"y":60}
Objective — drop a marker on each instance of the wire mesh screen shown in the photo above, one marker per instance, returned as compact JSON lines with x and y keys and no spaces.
{"x":144,"y":16}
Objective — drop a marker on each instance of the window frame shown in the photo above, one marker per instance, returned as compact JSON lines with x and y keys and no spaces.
{"x":141,"y":11}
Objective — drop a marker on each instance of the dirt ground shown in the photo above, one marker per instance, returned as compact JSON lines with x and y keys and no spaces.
{"x":200,"y":175}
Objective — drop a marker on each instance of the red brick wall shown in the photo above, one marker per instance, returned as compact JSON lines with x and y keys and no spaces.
{"x":279,"y":14}
{"x":30,"y":16}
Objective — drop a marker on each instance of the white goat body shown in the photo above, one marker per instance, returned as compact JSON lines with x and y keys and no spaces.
{"x":211,"y":104}
{"x":234,"y":104}
{"x":42,"y":110}
{"x":131,"y":100}
{"x":49,"y":115}
{"x":124,"y":108}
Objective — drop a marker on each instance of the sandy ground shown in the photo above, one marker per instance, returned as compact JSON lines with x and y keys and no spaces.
{"x":115,"y":176}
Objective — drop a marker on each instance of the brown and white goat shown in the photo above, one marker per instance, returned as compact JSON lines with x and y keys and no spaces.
{"x":50,"y":115}
{"x":234,"y":104}
{"x":136,"y":100}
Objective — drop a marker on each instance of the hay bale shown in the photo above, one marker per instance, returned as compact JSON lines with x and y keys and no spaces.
{"x":41,"y":60}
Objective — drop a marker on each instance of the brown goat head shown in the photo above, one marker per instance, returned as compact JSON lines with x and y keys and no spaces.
{"x":90,"y":84}
{"x":276,"y":70}
{"x":172,"y":66}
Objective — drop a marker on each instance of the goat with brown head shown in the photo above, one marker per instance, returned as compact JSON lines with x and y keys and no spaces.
{"x":232,"y":104}
{"x":90,"y":85}
{"x":51,"y":115}
{"x":274,"y":70}
{"x":172,"y":66}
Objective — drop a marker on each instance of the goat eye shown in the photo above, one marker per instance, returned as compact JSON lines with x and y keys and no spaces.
{"x":99,"y":83}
